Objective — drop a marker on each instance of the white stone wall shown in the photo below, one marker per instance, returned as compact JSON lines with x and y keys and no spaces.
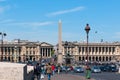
{"x":13,"y":71}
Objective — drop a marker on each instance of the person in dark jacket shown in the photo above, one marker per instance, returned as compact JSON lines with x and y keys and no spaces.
{"x":37,"y":71}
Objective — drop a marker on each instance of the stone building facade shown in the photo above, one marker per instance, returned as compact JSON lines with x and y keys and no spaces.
{"x":97,"y":52}
{"x":24,"y":50}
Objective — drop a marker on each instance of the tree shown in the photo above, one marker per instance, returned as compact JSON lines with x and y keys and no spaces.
{"x":52,"y":52}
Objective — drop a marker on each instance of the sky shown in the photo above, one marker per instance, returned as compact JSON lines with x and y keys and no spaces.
{"x":37,"y":20}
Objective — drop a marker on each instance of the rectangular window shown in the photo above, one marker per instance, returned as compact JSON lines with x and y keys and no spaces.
{"x":102,"y":49}
{"x":89,"y":49}
{"x":79,"y":49}
{"x":106,"y":49}
{"x":113,"y":49}
{"x":99,"y":49}
{"x":82,"y":49}
{"x":92,"y":49}
{"x":109,"y":49}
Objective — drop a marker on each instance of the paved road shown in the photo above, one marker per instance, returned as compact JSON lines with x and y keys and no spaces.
{"x":102,"y":75}
{"x":81,"y":76}
{"x":106,"y":76}
{"x":64,"y":76}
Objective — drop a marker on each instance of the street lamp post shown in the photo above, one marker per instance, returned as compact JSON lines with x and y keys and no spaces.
{"x":88,"y":76}
{"x":87,"y":29}
{"x":2,"y":34}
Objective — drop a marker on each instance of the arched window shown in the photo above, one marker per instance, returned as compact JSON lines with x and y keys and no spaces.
{"x":93,"y":58}
{"x":83,"y":58}
{"x":109,"y":58}
{"x":100,"y":58}
{"x":96,"y":58}
{"x":79,"y":58}
{"x":106,"y":58}
{"x":89,"y":58}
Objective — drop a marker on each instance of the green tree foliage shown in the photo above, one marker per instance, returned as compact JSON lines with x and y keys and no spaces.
{"x":52,"y":52}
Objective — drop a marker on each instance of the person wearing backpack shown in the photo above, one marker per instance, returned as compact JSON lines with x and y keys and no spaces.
{"x":37,"y":71}
{"x":49,"y":71}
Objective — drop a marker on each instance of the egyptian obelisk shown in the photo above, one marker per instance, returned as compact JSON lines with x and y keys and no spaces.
{"x":60,"y":56}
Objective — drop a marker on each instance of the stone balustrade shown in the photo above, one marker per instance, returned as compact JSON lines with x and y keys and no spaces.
{"x":13,"y":71}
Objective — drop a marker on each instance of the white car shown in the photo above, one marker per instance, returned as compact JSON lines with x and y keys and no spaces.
{"x":96,"y":69}
{"x":78,"y":69}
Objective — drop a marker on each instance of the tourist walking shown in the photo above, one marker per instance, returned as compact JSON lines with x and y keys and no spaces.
{"x":49,"y":71}
{"x":53,"y":69}
{"x":37,"y":71}
{"x":59,"y":68}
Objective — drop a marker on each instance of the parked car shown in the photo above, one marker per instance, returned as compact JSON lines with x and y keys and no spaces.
{"x":78,"y":69}
{"x":109,"y":68}
{"x":67,"y":68}
{"x":56,"y":69}
{"x":63,"y":68}
{"x":96,"y":69}
{"x":114,"y":69}
{"x":32,"y":63}
{"x":104,"y":68}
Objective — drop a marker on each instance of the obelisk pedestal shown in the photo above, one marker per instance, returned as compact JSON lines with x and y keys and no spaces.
{"x":60,"y":58}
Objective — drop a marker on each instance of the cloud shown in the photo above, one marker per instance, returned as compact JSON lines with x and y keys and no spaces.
{"x":4,"y":8}
{"x":6,"y":21}
{"x":65,"y":11}
{"x":34,"y":24}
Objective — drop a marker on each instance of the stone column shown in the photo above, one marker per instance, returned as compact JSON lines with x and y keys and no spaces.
{"x":108,"y":50}
{"x":10,"y":54}
{"x":85,"y":50}
{"x":60,"y":56}
{"x":105,"y":50}
{"x":41,"y":51}
{"x":48,"y":53}
{"x":45,"y":52}
{"x":50,"y":50}
{"x":81,"y":51}
{"x":95,"y":50}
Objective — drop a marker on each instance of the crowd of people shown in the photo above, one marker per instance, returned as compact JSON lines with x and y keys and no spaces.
{"x":41,"y":70}
{"x":49,"y":69}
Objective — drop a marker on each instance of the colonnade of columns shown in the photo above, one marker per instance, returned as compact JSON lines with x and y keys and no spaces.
{"x":30,"y":53}
{"x":97,"y":50}
{"x":96,"y":53}
{"x":9,"y":54}
{"x":46,"y":52}
{"x":101,"y":52}
{"x":96,"y":58}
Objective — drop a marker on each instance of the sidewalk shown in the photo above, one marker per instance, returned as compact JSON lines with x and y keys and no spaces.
{"x":66,"y":77}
